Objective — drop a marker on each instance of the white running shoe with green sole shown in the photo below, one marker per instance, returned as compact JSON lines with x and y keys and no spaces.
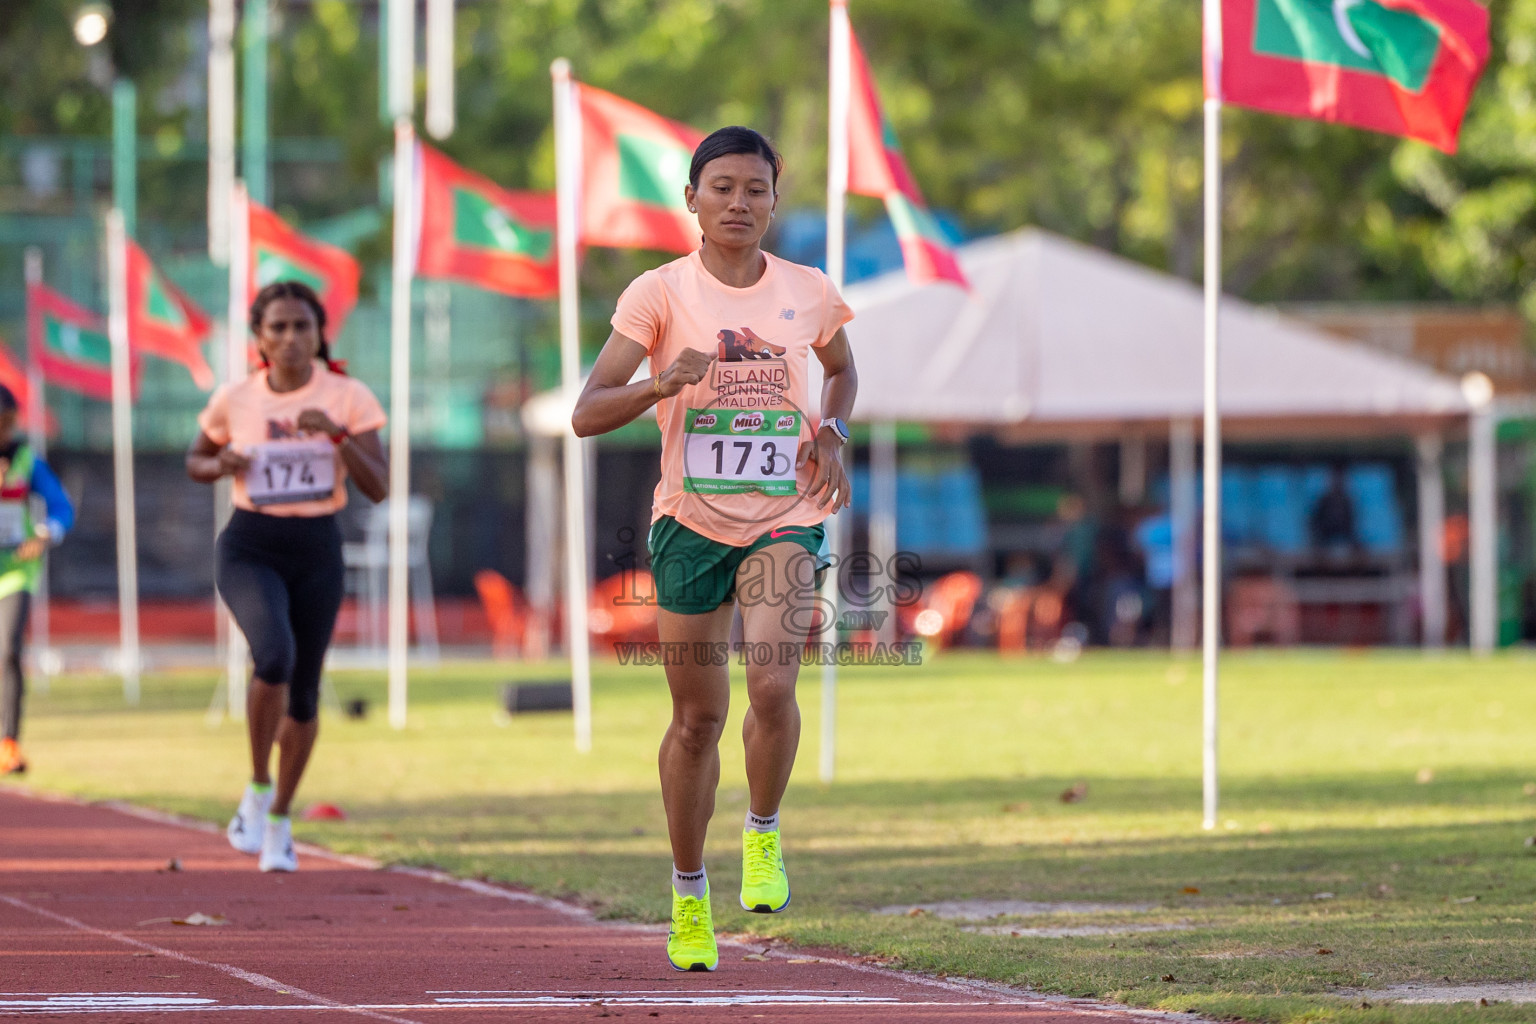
{"x":247,"y":826}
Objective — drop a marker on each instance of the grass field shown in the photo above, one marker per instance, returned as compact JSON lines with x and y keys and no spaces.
{"x":1401,"y":785}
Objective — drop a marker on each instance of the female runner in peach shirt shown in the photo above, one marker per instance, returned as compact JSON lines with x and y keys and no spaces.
{"x":289,"y":434}
{"x":747,"y":478}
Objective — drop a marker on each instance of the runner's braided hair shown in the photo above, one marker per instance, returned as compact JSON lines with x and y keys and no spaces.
{"x":305,"y":294}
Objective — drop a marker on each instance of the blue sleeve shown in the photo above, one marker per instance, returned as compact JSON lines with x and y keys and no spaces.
{"x":61,"y":511}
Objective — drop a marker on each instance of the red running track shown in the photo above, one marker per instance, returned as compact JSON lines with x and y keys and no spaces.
{"x":87,"y":933}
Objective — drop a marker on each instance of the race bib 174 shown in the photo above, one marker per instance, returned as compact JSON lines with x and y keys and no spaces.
{"x":728,"y":451}
{"x":283,"y":472}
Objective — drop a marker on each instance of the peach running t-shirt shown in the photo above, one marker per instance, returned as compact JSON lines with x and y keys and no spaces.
{"x":293,"y":473}
{"x":729,"y":443}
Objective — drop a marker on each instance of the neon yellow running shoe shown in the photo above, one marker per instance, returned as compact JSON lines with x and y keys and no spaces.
{"x":764,"y":884}
{"x":691,"y":942}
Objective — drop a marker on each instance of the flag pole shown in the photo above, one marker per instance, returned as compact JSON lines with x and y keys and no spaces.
{"x":122,"y":456}
{"x":402,"y":101}
{"x":1211,"y":564}
{"x":440,"y":112}
{"x":838,"y":86}
{"x":567,"y":184}
{"x":221,"y":217}
{"x":400,"y":424}
{"x":236,"y":331}
{"x":37,"y":440}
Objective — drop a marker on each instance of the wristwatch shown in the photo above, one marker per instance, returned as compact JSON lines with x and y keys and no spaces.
{"x":839,"y":428}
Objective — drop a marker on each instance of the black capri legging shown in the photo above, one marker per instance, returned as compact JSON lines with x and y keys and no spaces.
{"x":282,"y":577}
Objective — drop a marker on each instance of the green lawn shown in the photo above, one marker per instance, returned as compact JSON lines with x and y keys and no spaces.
{"x":1397,"y":783}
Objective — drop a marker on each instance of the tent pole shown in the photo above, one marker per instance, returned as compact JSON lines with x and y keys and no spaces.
{"x":882,"y":522}
{"x":1431,"y":529}
{"x":1482,"y":513}
{"x":1181,"y":517}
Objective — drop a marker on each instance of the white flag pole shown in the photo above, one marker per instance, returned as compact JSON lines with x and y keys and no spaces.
{"x":221,"y":217}
{"x":122,"y":456}
{"x":400,"y":421}
{"x":838,"y":94}
{"x":236,"y":335}
{"x":567,"y":196}
{"x":37,"y":440}
{"x":402,"y":102}
{"x":221,"y":126}
{"x":1211,"y":565}
{"x":440,"y":112}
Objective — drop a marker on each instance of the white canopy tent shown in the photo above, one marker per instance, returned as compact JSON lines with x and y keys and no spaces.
{"x":1058,"y":340}
{"x":1055,"y":332}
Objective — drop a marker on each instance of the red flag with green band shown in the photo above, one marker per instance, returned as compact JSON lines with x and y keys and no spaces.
{"x":474,"y":231}
{"x":69,"y":344}
{"x":877,"y":168}
{"x":164,"y":322}
{"x":279,"y":253}
{"x":634,"y":167}
{"x":1403,"y":67}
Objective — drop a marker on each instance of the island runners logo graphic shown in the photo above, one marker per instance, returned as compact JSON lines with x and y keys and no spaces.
{"x":750,"y":372}
{"x":742,"y":344}
{"x":745,"y":421}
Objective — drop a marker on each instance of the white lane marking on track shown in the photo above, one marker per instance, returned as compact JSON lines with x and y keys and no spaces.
{"x":574,"y":1004}
{"x":100,"y":1001}
{"x":249,"y":977}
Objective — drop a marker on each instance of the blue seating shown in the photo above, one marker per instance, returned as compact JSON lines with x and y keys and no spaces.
{"x":1378,"y":518}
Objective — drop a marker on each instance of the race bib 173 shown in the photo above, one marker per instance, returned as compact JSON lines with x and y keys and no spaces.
{"x":728,"y":451}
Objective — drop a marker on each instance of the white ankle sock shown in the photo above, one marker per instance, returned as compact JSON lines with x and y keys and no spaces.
{"x":690,"y":883}
{"x":757,"y":823}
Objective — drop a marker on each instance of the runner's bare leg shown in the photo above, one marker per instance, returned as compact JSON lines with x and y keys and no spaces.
{"x":690,"y":751}
{"x":770,"y":729}
{"x":295,"y":742}
{"x":265,"y":705}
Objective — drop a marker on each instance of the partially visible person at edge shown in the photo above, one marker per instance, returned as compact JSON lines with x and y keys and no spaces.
{"x":22,"y":543}
{"x":290,"y":435}
{"x":746,"y":480}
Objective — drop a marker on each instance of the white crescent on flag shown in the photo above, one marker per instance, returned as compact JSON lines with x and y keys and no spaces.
{"x":1347,"y":30}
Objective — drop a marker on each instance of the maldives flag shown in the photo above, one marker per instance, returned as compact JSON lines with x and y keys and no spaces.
{"x":474,"y":231}
{"x":69,"y":344}
{"x":1404,"y":67}
{"x":162,"y":321}
{"x":634,"y":167}
{"x":279,"y":253}
{"x":877,"y":168}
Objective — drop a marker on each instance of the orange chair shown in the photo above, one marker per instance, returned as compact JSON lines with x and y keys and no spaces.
{"x":1042,"y":605}
{"x":945,"y":609}
{"x":506,"y":609}
{"x":622,"y":608}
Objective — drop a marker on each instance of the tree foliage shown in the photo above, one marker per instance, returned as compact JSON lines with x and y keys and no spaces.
{"x":1081,"y":117}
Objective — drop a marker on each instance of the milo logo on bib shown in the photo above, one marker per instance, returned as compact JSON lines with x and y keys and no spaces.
{"x":745,"y":421}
